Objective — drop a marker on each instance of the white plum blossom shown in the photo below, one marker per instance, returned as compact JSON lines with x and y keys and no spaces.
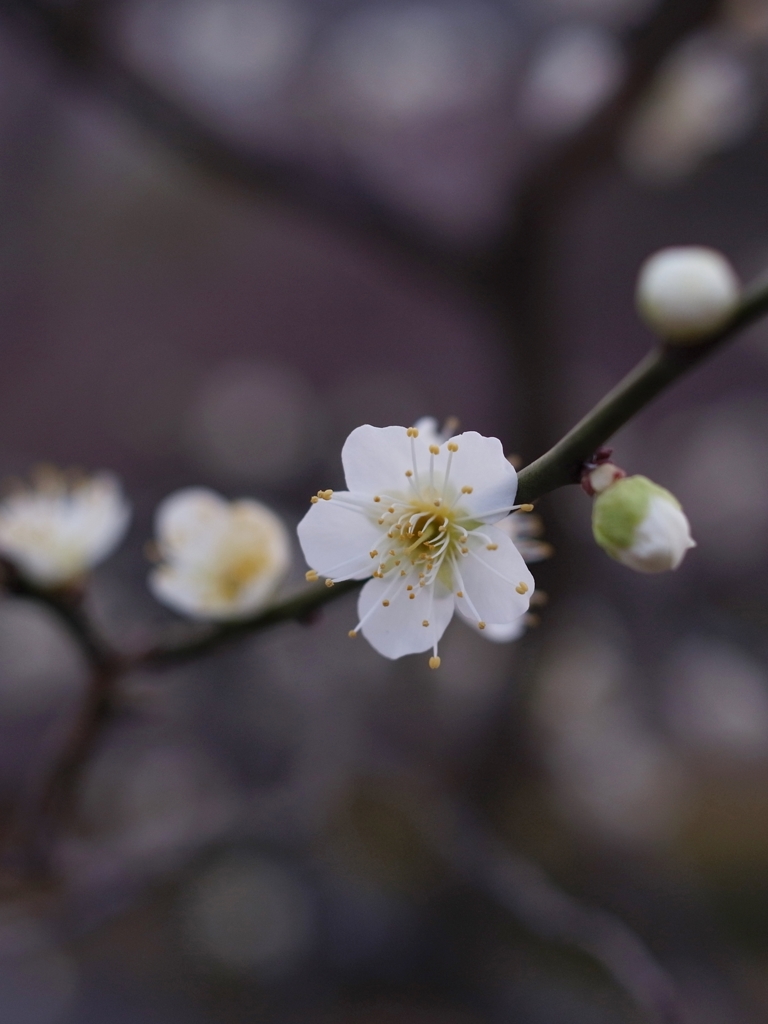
{"x":219,"y":559}
{"x":686,"y":292}
{"x":62,"y":526}
{"x":418,"y":518}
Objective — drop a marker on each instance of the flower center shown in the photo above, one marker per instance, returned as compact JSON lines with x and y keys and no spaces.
{"x":238,"y":572}
{"x":423,"y":532}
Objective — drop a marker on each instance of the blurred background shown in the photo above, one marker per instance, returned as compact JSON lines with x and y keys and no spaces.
{"x":230,"y":232}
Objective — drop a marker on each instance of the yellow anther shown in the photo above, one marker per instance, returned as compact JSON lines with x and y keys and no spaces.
{"x":329,"y":583}
{"x":525,"y":508}
{"x":373,"y":553}
{"x":392,"y":552}
{"x":377,"y":498}
{"x":481,"y":625}
{"x":314,"y":499}
{"x":409,"y":587}
{"x":438,"y":502}
{"x":409,"y":472}
{"x":466,"y":489}
{"x":327,"y":495}
{"x":459,"y":593}
{"x":522,"y":588}
{"x":434,"y":661}
{"x":465,"y":551}
{"x":352,"y":633}
{"x":452,"y":446}
{"x":397,"y":560}
{"x":385,"y":603}
{"x":377,"y":574}
{"x":412,"y":596}
{"x":391,"y":508}
{"x":422,"y":583}
{"x":381,"y":521}
{"x":402,"y":571}
{"x":409,"y":432}
{"x":434,"y":450}
{"x":311,"y":576}
{"x":425,"y":622}
{"x":492,"y":547}
{"x":414,"y":432}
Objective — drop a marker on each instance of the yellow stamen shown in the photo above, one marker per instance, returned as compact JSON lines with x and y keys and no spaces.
{"x":434,"y":661}
{"x":385,"y":603}
{"x":329,"y":583}
{"x":311,"y":576}
{"x":481,"y":625}
{"x":452,"y":446}
{"x":425,"y":622}
{"x":466,"y":489}
{"x":492,"y":547}
{"x":352,"y":634}
{"x":314,"y":499}
{"x":525,"y":508}
{"x":459,"y":593}
{"x":522,"y":588}
{"x":374,"y":553}
{"x":434,"y":450}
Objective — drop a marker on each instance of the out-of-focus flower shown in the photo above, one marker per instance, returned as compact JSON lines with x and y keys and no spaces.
{"x":640,"y":524}
{"x":220,"y":559}
{"x":702,"y":101}
{"x":685,"y":292}
{"x":417,"y":518}
{"x":395,"y":62}
{"x":577,"y":69}
{"x":63,"y":525}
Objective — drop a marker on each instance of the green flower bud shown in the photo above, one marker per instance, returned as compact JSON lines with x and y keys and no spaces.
{"x":641,"y":525}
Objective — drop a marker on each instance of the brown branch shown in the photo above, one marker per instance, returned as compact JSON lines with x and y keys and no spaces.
{"x":523,"y":889}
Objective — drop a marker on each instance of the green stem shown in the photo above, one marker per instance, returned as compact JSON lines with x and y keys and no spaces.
{"x":562,"y":464}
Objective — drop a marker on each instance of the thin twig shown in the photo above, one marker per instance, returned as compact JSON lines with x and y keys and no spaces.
{"x":523,"y":889}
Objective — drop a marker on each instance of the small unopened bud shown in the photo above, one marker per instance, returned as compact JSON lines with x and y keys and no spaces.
{"x":641,"y":525}
{"x":685,"y":293}
{"x":601,"y":477}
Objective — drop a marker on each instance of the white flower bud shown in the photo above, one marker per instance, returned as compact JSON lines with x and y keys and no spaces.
{"x":641,"y":525}
{"x":684,"y":293}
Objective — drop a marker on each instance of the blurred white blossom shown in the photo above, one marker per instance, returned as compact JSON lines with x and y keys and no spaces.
{"x":685,"y":292}
{"x":703,"y":100}
{"x":396,"y":61}
{"x":219,"y":559}
{"x":576,"y":70}
{"x":62,"y":525}
{"x":417,"y":518}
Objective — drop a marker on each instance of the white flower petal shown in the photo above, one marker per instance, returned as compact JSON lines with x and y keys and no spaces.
{"x":337,"y":541}
{"x":480,"y":464}
{"x":398,"y":629}
{"x":185,"y":515}
{"x":376,"y":459}
{"x":429,"y":430}
{"x":489,"y":580}
{"x":502,"y":634}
